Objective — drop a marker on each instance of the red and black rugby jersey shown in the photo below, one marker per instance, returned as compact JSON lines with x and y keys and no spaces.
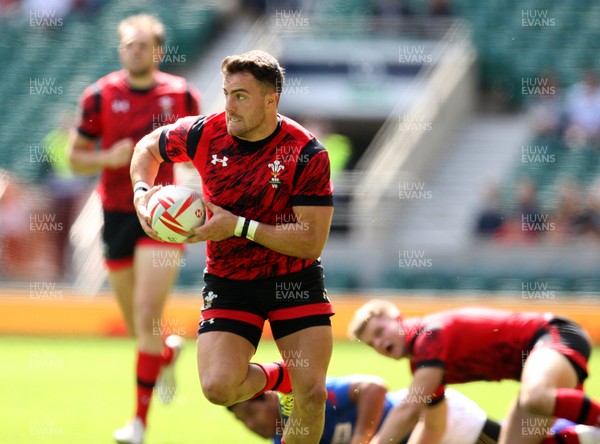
{"x":473,"y":344}
{"x":260,"y":180}
{"x":111,"y":110}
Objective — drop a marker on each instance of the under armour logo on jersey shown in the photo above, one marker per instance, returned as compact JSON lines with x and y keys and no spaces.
{"x":216,"y":159}
{"x":120,"y":106}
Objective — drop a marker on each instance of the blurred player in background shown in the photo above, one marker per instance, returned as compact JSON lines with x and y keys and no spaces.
{"x":548,"y":354}
{"x":358,"y":404}
{"x":118,"y":110}
{"x":266,"y":183}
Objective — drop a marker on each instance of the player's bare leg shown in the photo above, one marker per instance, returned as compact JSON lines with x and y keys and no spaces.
{"x":522,"y":427}
{"x":224,"y":368}
{"x":307,"y":354}
{"x":156,"y":269}
{"x":122,"y":282}
{"x":530,"y":417}
{"x":152,"y":281}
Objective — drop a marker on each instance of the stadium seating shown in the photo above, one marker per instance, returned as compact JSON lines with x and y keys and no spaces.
{"x":510,"y":47}
{"x":508,"y":52}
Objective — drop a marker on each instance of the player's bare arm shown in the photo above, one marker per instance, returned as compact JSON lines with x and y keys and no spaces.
{"x":86,"y":160}
{"x":305,"y":238}
{"x":144,"y":168}
{"x":369,"y":396}
{"x":404,"y":417}
{"x":431,"y":426}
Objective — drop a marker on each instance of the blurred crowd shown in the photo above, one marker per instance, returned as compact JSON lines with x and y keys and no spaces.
{"x":572,"y":115}
{"x":36,"y":216}
{"x":569,"y":120}
{"x":575,"y":214}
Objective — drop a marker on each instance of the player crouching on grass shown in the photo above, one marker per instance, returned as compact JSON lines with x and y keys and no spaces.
{"x":357,"y":405}
{"x":548,"y":354}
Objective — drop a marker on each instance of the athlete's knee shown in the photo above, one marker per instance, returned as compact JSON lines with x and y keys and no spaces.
{"x":218,"y":390}
{"x":537,"y":400}
{"x":311,"y":398}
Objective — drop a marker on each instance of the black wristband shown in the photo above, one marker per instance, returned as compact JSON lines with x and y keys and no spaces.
{"x":245,"y":228}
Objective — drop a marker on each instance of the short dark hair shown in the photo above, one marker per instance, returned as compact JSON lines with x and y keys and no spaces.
{"x":263,"y":66}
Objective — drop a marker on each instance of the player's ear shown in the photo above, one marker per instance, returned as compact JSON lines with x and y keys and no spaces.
{"x":272,"y":99}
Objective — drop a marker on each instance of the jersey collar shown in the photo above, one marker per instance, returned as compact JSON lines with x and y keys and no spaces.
{"x":247,"y":145}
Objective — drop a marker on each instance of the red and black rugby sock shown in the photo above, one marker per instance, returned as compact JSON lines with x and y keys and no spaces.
{"x":575,"y":406}
{"x":278,"y":377}
{"x":147,"y":370}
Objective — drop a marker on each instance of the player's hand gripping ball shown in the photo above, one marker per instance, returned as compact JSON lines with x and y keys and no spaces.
{"x":174,"y":211}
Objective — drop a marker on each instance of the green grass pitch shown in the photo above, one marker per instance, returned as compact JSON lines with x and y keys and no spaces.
{"x":79,"y":390}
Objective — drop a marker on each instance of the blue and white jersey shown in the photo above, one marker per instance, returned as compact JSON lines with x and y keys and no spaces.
{"x":464,"y":424}
{"x":340,"y":412}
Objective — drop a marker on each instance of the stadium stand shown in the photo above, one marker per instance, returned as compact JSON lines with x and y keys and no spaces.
{"x":514,"y":41}
{"x":517,"y":42}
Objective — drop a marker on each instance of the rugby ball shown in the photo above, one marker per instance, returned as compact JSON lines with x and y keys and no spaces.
{"x":174,"y":211}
